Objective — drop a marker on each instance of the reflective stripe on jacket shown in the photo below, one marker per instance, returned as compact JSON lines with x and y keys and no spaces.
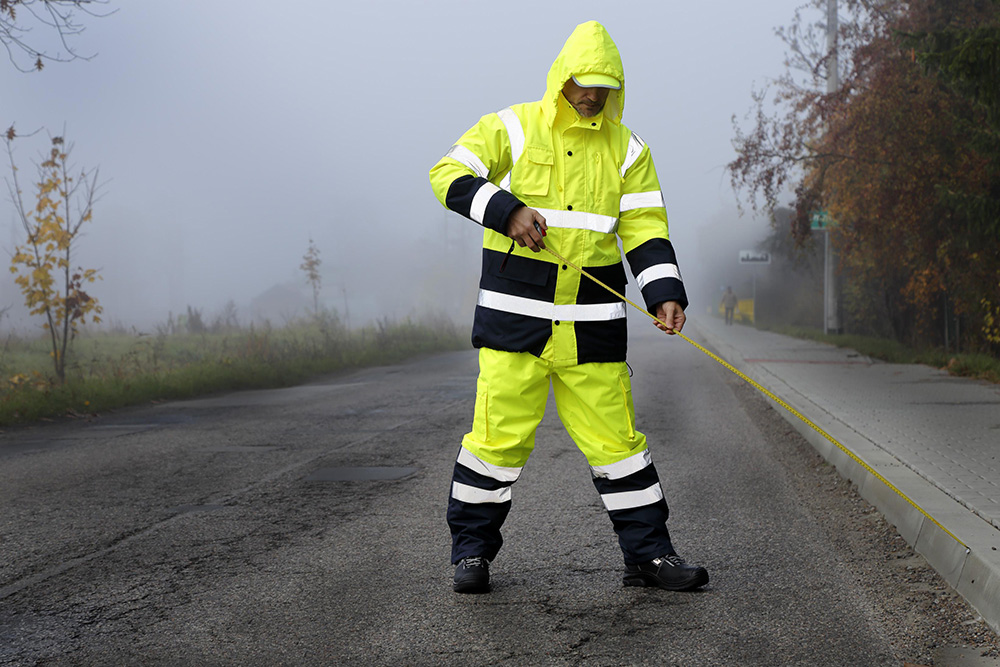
{"x":593,"y":180}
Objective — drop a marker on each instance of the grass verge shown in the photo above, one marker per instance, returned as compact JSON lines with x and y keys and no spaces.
{"x":114,"y":371}
{"x":978,"y":366}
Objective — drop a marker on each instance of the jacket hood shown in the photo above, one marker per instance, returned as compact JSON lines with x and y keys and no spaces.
{"x":589,"y":49}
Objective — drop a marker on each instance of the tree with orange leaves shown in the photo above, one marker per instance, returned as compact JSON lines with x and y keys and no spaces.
{"x":51,"y":285}
{"x":886,"y":155}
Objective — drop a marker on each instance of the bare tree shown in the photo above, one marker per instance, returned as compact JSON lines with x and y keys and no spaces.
{"x":59,"y":23}
{"x":310,"y":264}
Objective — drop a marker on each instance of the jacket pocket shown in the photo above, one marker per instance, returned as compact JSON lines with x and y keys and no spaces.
{"x":481,"y":420}
{"x":534,"y":171}
{"x":607,"y":184}
{"x":519,"y":269}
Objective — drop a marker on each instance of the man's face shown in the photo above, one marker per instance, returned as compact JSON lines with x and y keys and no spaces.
{"x":587,"y":101}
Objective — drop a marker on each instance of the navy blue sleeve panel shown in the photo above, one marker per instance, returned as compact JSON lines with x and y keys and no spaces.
{"x":654,"y":265}
{"x":462,"y":192}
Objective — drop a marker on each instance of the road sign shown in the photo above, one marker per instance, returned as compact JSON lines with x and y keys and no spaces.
{"x":754,"y":257}
{"x":819,"y":219}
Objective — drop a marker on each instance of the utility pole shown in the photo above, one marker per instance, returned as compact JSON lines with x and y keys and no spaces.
{"x":831,"y":319}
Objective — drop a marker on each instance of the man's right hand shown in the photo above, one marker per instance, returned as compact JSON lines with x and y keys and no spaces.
{"x":527,"y":227}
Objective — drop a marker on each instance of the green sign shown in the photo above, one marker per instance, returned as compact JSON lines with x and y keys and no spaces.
{"x":819,"y":219}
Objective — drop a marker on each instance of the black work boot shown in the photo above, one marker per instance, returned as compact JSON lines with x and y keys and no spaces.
{"x":472,"y":575}
{"x":668,"y":572}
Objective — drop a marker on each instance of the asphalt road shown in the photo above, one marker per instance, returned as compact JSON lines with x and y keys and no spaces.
{"x":222,"y":532}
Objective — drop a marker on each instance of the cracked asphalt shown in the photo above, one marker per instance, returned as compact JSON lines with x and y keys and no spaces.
{"x":191,"y":533}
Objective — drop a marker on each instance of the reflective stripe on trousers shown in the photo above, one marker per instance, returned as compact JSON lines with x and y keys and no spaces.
{"x":594,"y":402}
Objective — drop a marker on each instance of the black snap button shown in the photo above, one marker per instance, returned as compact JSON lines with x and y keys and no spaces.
{"x":557,"y":322}
{"x":569,"y":152}
{"x":593,"y":124}
{"x":569,"y":208}
{"x":564,"y":267}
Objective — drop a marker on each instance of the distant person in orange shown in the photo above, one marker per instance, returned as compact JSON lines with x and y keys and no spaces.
{"x":729,"y":301}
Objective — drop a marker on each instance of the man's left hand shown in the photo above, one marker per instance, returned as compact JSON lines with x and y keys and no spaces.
{"x":671,"y":317}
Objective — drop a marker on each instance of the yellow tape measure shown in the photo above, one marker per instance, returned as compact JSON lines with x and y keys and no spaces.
{"x":766,"y":392}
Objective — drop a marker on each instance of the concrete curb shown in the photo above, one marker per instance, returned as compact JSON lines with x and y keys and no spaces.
{"x":974,"y":572}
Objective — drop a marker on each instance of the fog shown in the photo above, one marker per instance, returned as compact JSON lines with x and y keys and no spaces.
{"x":230,"y":134}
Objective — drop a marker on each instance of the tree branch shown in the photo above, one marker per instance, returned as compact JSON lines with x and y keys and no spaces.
{"x":58,"y":17}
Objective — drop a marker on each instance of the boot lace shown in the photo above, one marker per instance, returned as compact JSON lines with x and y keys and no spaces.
{"x":475,"y":561}
{"x":673,"y":559}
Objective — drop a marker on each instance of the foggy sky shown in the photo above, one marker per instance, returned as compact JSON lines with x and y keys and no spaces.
{"x":230,"y":134}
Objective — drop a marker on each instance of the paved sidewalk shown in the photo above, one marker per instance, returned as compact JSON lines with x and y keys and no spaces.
{"x":935,"y":437}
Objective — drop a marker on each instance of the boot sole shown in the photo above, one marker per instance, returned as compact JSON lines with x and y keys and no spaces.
{"x":643,"y":579}
{"x":473,"y":587}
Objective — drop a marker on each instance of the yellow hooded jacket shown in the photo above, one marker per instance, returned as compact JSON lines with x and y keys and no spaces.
{"x":591,"y":179}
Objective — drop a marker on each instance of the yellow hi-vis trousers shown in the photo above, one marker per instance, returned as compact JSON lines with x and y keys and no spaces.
{"x":594,"y":402}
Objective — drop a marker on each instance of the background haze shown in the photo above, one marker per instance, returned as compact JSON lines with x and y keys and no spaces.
{"x":230,"y":134}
